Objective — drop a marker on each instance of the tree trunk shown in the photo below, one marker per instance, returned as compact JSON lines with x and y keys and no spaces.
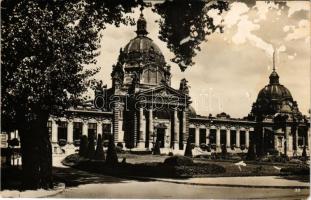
{"x":36,"y":154}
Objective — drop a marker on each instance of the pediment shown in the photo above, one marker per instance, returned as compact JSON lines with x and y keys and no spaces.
{"x":162,"y":91}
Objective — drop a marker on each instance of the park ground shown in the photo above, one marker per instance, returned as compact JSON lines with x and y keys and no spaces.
{"x":82,"y":184}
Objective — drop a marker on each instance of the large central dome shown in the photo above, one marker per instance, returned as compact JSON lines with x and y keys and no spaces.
{"x":141,"y":50}
{"x":142,"y":44}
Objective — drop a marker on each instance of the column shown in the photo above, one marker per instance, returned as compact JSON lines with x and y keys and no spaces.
{"x":176,"y":130}
{"x":70,"y":131}
{"x":151,"y":132}
{"x":84,"y":128}
{"x":99,"y":128}
{"x":207,"y":135}
{"x":289,"y":141}
{"x":247,"y":138}
{"x":142,"y":137}
{"x":184,"y":127}
{"x":309,"y":139}
{"x":54,"y":132}
{"x":218,"y":139}
{"x":228,"y":138}
{"x":237,"y":142}
{"x":197,"y":136}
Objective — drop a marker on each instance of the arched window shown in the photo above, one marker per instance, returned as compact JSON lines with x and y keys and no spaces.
{"x":150,"y":76}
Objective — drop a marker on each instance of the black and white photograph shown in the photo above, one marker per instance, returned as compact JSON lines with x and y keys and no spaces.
{"x":155,"y":99}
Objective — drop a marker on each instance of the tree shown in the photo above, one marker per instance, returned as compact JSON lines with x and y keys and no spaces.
{"x":83,"y":146}
{"x":185,"y":24}
{"x":251,"y":153}
{"x":45,"y":46}
{"x":188,"y":150}
{"x":112,"y":157}
{"x":156,"y":149}
{"x":224,"y":152}
{"x":99,"y":153}
{"x":91,"y":147}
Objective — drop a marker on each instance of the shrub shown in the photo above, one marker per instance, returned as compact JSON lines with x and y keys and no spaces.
{"x":112,"y":158}
{"x":156,"y":148}
{"x":178,"y":161}
{"x":170,"y":154}
{"x":242,"y":147}
{"x":251,"y":153}
{"x":296,"y":170}
{"x":203,"y":146}
{"x":120,"y":144}
{"x":13,"y":142}
{"x":83,"y":146}
{"x":62,"y":142}
{"x":91,"y":147}
{"x":188,"y":151}
{"x":304,"y":152}
{"x":99,"y":152}
{"x":76,"y":143}
{"x":224,"y":153}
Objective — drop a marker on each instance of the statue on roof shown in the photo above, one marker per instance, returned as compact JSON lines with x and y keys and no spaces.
{"x":183,"y":86}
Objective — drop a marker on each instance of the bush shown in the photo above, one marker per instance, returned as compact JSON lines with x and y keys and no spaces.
{"x":170,"y":154}
{"x":296,"y":170}
{"x":224,"y":153}
{"x":178,"y":161}
{"x":304,"y":152}
{"x":188,"y":151}
{"x":83,"y":146}
{"x":120,"y":144}
{"x":203,"y":146}
{"x":208,"y":148}
{"x":156,"y":148}
{"x":91,"y":147}
{"x":251,"y":153}
{"x":112,"y":158}
{"x":99,"y":152}
{"x":62,"y":142}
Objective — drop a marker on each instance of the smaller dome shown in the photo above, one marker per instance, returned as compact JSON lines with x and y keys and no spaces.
{"x":192,"y":112}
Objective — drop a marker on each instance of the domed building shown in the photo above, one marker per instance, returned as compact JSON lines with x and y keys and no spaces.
{"x":280,"y":126}
{"x":142,"y":109}
{"x":146,"y":109}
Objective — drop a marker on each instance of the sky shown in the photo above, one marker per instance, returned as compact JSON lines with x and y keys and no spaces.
{"x":232,"y":67}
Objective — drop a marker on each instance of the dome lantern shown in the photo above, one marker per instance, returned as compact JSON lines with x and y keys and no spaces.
{"x":141,"y":25}
{"x":274,"y":77}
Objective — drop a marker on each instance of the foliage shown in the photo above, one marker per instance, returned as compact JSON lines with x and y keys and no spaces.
{"x":13,"y":142}
{"x":99,"y":152}
{"x":224,"y":152}
{"x":304,"y":152}
{"x":45,"y":46}
{"x":185,"y":24}
{"x":251,"y":153}
{"x":178,"y":161}
{"x":83,"y":146}
{"x":112,"y":158}
{"x":188,"y":150}
{"x":156,"y":148}
{"x":296,"y":170}
{"x":91,"y":147}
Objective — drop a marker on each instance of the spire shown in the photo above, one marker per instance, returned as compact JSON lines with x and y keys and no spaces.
{"x":274,"y":77}
{"x":141,"y":24}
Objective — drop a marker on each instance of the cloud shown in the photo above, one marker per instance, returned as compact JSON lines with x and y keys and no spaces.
{"x":262,"y":8}
{"x":298,"y":32}
{"x":234,"y":13}
{"x":295,"y":6}
{"x":244,"y":34}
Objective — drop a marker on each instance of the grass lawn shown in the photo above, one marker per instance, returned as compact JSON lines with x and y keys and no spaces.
{"x":251,"y":168}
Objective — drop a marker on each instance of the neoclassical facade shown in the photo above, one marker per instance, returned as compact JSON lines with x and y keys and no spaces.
{"x":141,"y":108}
